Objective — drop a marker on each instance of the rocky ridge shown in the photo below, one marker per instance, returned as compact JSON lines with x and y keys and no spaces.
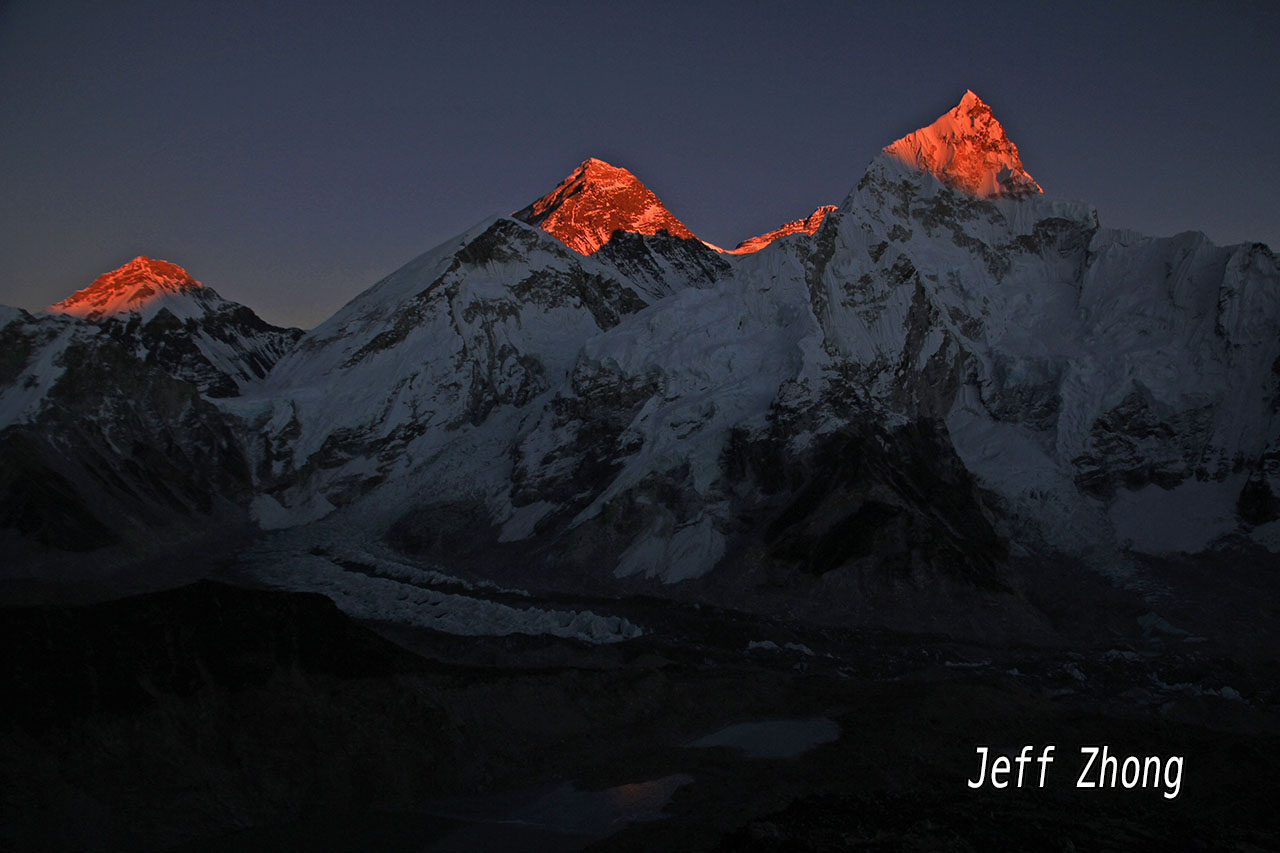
{"x":808,"y":225}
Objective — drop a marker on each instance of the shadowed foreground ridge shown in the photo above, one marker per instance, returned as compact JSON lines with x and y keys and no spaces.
{"x":272,"y":721}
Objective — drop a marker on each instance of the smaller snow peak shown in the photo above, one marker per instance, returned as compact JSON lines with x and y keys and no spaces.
{"x":128,"y":288}
{"x":967,"y":149}
{"x":596,"y":199}
{"x":808,"y":225}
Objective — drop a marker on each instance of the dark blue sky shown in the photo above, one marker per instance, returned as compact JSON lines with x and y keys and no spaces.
{"x":290,"y":154}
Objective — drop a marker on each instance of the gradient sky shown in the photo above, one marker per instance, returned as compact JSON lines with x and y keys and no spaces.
{"x":291,"y":154}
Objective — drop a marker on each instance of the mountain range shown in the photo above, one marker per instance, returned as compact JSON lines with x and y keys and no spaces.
{"x":885,"y":406}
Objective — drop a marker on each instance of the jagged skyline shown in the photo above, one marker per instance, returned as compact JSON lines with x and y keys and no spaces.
{"x":966,"y":148}
{"x":291,"y":160}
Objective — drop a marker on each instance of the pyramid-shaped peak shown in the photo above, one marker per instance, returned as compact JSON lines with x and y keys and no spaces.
{"x":596,"y":199}
{"x":130,"y":287}
{"x":967,"y":149}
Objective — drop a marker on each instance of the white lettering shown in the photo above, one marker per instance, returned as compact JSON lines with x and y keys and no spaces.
{"x":982,"y":769}
{"x":1092,"y":752}
{"x":1124,"y":771}
{"x":1023,"y":759}
{"x":1000,"y":765}
{"x":1045,"y":760}
{"x":1174,"y":784}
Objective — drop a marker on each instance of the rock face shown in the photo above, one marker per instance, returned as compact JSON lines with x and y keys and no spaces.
{"x":107,"y":423}
{"x":807,"y":225}
{"x":589,"y":208}
{"x":948,"y":369}
{"x":967,"y":149}
{"x":595,"y":200}
{"x":119,"y":452}
{"x":426,"y":363}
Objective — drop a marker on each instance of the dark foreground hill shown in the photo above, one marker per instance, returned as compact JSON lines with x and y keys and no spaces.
{"x":220,"y":718}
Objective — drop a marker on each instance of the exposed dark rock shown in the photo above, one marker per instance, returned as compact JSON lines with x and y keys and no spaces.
{"x":663,"y":262}
{"x":120,"y":447}
{"x":1136,"y":444}
{"x":898,"y":503}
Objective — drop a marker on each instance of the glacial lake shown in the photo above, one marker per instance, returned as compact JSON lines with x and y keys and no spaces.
{"x":772,"y":738}
{"x":559,"y":818}
{"x":549,"y":818}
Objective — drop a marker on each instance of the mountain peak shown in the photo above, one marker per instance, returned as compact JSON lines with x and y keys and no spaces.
{"x":967,"y":149}
{"x":128,"y":288}
{"x":596,"y":199}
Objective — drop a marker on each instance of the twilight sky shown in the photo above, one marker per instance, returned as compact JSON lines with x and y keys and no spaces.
{"x":291,"y":154}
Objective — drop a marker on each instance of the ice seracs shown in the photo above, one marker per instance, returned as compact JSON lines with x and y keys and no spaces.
{"x":967,"y":150}
{"x":595,"y":200}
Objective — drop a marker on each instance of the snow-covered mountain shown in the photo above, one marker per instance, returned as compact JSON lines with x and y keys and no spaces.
{"x":950,"y":366}
{"x":166,"y":317}
{"x":948,"y":370}
{"x":106,"y":421}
